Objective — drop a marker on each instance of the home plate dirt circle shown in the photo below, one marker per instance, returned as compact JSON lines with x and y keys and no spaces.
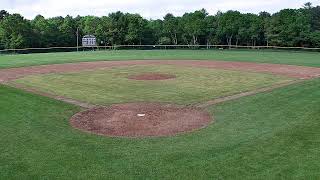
{"x":141,"y":120}
{"x":152,"y":76}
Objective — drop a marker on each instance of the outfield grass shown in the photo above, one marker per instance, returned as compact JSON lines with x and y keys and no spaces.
{"x":260,"y":56}
{"x":110,"y":86}
{"x":272,"y":135}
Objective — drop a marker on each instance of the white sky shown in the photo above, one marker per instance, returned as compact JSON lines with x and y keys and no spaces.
{"x":150,"y":9}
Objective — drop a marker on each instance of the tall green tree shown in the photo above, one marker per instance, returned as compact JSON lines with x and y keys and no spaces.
{"x":136,"y":26}
{"x":16,"y":32}
{"x":210,"y":30}
{"x":171,"y":28}
{"x":265,"y":20}
{"x":157,"y":32}
{"x":3,"y":14}
{"x":288,"y":27}
{"x":68,"y":31}
{"x":103,"y":31}
{"x":228,"y":26}
{"x":42,"y":31}
{"x":118,"y":28}
{"x":194,"y":25}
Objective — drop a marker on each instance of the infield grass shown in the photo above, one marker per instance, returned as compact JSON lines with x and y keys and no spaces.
{"x":110,"y":86}
{"x":260,"y":56}
{"x":272,"y":135}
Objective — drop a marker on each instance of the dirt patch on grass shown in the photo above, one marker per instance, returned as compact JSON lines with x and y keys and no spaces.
{"x":152,"y":76}
{"x":141,"y":120}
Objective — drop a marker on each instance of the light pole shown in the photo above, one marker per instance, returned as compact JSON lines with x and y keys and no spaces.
{"x":77,"y":39}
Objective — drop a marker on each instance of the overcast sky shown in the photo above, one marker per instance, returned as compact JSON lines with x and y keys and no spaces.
{"x":150,"y":9}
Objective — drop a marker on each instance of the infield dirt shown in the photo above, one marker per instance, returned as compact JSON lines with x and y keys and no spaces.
{"x":152,"y":76}
{"x":141,"y":120}
{"x":151,"y":119}
{"x":299,"y":72}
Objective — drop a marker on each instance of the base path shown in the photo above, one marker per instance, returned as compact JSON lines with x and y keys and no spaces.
{"x":60,"y":98}
{"x":299,"y":72}
{"x":243,"y":94}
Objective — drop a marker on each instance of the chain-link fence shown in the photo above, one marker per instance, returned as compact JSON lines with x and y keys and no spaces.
{"x":154,"y":47}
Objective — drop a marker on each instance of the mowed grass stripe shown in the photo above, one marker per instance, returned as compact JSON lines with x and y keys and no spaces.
{"x":110,"y":86}
{"x":272,"y":135}
{"x":260,"y":56}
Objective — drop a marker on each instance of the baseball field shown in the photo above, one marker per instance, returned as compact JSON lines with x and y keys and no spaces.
{"x":160,"y":114}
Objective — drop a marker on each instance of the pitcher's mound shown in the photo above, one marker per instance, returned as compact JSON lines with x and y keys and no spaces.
{"x":141,"y":120}
{"x":152,"y":76}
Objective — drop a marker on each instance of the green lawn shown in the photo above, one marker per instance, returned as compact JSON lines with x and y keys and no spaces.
{"x":272,"y":135}
{"x":260,"y":56}
{"x":110,"y":86}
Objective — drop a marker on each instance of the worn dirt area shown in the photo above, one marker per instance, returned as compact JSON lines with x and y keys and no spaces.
{"x":299,"y":72}
{"x":152,"y":76}
{"x":141,"y":120}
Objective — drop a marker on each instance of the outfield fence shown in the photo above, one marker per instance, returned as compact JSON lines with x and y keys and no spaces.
{"x":152,"y":47}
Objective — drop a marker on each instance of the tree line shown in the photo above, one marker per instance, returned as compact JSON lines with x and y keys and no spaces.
{"x":288,"y":27}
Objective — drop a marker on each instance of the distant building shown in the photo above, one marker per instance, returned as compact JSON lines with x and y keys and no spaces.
{"x":89,"y":41}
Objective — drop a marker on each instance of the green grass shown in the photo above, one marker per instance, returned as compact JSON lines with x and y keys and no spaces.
{"x":260,"y":56}
{"x":273,"y":135}
{"x":110,"y":86}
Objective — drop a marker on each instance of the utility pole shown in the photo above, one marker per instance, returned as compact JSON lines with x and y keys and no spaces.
{"x":77,"y":39}
{"x":105,"y":43}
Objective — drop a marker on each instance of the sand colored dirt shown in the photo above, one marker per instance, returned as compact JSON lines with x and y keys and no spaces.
{"x":141,"y":120}
{"x":299,"y":72}
{"x":152,"y":76}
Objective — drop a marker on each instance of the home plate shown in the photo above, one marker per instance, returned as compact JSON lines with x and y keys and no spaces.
{"x":141,"y":115}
